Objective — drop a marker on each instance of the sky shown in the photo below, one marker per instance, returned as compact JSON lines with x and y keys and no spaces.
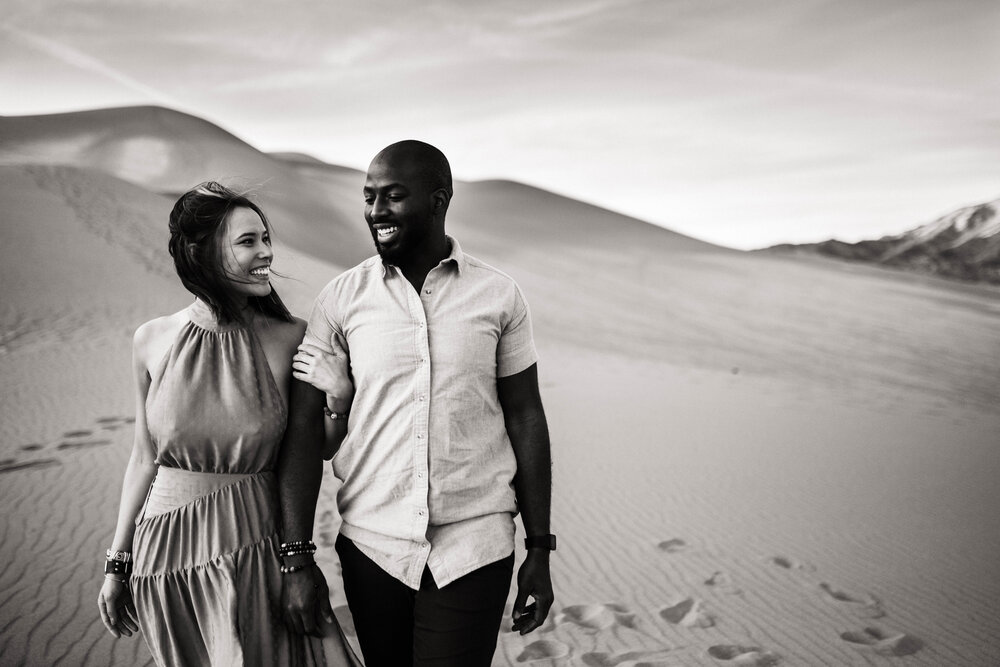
{"x":741,"y":122}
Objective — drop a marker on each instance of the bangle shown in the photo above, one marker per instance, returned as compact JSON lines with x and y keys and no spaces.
{"x":297,"y":547}
{"x":120,"y":581}
{"x":288,"y":569}
{"x":335,"y":415}
{"x":117,"y":567}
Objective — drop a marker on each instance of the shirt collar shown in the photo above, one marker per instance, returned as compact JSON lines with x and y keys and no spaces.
{"x":455,"y":257}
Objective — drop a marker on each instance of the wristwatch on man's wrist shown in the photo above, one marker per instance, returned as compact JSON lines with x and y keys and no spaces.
{"x":540,"y":542}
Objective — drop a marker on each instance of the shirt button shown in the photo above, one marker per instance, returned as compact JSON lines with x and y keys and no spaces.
{"x":421,"y":398}
{"x":420,"y":436}
{"x":427,"y":291}
{"x":421,"y":512}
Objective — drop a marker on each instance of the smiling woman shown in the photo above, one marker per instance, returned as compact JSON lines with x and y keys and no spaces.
{"x":196,"y":561}
{"x":221,"y":244}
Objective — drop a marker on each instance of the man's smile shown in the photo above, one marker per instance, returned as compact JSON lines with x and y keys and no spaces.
{"x":386,"y":233}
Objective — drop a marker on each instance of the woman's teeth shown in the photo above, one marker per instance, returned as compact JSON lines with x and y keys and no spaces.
{"x":262,"y":271}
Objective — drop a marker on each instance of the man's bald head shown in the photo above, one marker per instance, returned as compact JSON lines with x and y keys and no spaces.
{"x":419,"y":159}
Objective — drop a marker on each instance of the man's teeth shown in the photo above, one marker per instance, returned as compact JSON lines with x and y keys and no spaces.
{"x":386,"y":231}
{"x":261,"y":271}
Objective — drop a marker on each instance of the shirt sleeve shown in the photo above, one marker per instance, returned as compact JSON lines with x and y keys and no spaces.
{"x":516,"y":350}
{"x":322,"y":324}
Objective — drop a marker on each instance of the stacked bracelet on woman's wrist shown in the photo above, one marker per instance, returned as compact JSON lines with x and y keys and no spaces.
{"x":118,"y":566}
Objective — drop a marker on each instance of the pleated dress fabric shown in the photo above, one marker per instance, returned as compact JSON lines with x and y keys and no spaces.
{"x":206,"y":580}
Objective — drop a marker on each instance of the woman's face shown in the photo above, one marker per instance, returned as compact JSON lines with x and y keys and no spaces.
{"x":246,"y":253}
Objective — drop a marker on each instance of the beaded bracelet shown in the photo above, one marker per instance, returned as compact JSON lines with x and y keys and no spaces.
{"x":288,"y":569}
{"x":297,"y":543}
{"x":296,"y":548}
{"x":335,"y":415}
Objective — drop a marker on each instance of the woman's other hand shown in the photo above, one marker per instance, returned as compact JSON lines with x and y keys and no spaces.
{"x":117,"y":608}
{"x":330,"y":372}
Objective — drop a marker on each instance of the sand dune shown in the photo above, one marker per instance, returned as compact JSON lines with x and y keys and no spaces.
{"x":759,"y":460}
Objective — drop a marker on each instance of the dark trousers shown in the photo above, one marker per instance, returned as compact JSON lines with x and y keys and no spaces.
{"x":454,"y":626}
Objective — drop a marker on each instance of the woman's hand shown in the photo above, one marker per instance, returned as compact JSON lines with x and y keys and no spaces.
{"x":117,"y":608}
{"x":328,"y":372}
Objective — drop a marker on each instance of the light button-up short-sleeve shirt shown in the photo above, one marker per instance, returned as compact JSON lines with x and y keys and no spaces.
{"x":427,"y":468}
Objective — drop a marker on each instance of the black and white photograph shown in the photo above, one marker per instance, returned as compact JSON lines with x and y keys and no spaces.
{"x":582,"y":333}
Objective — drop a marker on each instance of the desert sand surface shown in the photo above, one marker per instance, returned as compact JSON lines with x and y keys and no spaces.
{"x":758,"y":460}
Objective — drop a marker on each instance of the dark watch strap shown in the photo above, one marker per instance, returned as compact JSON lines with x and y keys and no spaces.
{"x":541,"y":542}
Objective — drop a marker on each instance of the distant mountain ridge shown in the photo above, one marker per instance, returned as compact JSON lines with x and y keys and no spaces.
{"x":964,"y":244}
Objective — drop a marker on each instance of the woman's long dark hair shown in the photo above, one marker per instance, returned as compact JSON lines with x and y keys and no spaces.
{"x":197,"y":228}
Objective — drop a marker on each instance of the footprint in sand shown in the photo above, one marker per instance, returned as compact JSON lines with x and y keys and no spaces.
{"x":752,"y":656}
{"x":111,"y":423}
{"x":543,"y":650}
{"x":687,"y":613}
{"x":39,"y":463}
{"x":672,"y":546}
{"x":884,"y":642}
{"x":868,"y":605}
{"x":327,"y":536}
{"x":596,"y":617}
{"x":632,"y":658}
{"x":787,"y":563}
{"x":723,"y":582}
{"x":77,"y":434}
{"x":82,"y":443}
{"x":33,"y":447}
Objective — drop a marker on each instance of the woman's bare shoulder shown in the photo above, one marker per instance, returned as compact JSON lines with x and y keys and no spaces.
{"x":152,"y":338}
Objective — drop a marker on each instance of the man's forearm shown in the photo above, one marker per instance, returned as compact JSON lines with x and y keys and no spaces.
{"x":529,"y":436}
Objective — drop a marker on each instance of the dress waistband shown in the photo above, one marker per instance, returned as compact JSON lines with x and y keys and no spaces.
{"x":174,"y":487}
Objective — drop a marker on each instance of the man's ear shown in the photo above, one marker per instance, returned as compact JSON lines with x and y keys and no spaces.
{"x":441,"y":199}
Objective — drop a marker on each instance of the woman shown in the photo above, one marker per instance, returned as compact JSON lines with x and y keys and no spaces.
{"x":199,"y":509}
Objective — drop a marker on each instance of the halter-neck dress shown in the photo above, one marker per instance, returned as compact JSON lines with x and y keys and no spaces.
{"x":206,"y":581}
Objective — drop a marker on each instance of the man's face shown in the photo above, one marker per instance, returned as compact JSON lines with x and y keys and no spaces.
{"x":399,"y":207}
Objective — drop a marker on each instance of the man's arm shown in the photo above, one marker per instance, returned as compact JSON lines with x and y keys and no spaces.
{"x":300,"y":473}
{"x":529,"y":436}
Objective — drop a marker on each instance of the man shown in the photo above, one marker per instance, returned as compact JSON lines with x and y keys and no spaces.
{"x":446,"y":438}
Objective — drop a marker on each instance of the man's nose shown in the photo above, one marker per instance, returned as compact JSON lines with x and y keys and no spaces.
{"x":379,"y":208}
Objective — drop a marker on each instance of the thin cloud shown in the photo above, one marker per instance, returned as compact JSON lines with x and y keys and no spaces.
{"x":80,"y":60}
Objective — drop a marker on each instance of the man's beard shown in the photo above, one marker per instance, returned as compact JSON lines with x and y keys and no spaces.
{"x":390,"y":255}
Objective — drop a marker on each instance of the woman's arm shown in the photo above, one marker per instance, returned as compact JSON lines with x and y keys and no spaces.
{"x":115,"y":601}
{"x":330,"y":372}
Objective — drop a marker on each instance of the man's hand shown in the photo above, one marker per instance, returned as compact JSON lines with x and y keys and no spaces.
{"x":305,"y":598}
{"x":533,"y":580}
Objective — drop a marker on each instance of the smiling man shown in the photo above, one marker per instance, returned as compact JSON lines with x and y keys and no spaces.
{"x":446,"y":440}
